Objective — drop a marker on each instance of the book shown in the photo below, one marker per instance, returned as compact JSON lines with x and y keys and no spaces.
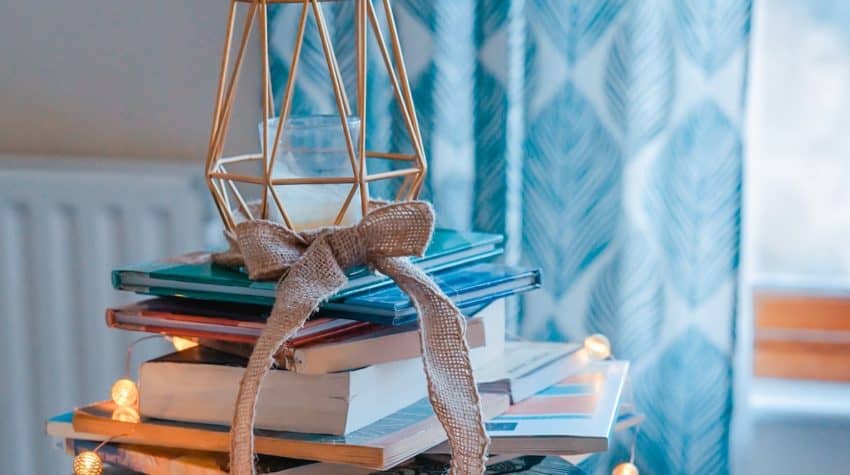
{"x":381,"y":445}
{"x":200,"y":384}
{"x":574,"y":416}
{"x":61,"y":427}
{"x":470,"y":288}
{"x":515,"y":465}
{"x":164,"y":461}
{"x":527,"y":367}
{"x":485,"y":333}
{"x":225,"y":321}
{"x":195,"y":276}
{"x":168,"y":461}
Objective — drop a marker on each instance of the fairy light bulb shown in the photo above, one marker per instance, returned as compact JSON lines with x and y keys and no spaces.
{"x":598,"y":346}
{"x":125,"y":393}
{"x":126,"y":414}
{"x":88,"y":463}
{"x":626,"y":468}
{"x":181,"y":344}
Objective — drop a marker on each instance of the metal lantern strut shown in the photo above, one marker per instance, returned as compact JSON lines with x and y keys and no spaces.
{"x":223,"y":183}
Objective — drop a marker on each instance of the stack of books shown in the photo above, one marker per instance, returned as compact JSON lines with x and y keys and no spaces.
{"x":348,"y":392}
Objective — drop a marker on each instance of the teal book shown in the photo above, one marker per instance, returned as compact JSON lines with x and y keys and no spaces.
{"x":470,"y":288}
{"x":195,"y":276}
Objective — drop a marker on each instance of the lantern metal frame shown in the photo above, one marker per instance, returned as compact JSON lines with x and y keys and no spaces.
{"x":222,"y":184}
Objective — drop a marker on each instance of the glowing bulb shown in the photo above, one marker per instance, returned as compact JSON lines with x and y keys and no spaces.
{"x":598,"y":346}
{"x":125,"y":393}
{"x":181,"y":344}
{"x":88,"y":463}
{"x":126,"y":414}
{"x":625,"y":468}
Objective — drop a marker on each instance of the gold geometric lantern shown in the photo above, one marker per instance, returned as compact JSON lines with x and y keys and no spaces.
{"x":225,"y":185}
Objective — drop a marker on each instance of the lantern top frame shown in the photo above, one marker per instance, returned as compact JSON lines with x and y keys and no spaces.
{"x":222,"y":183}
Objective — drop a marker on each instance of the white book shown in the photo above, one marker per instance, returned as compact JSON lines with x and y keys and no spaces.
{"x":201,"y":384}
{"x":577,"y":415}
{"x":485,"y":333}
{"x":376,"y":345}
{"x":527,"y":367}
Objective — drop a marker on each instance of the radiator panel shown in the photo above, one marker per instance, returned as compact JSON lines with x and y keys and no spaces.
{"x":63,"y":226}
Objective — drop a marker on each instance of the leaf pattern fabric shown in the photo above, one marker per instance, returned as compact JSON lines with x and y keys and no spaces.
{"x":604,"y":139}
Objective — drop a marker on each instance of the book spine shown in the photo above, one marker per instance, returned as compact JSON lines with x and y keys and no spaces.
{"x":352,"y":353}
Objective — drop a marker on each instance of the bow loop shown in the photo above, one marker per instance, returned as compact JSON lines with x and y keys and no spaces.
{"x":268,"y":249}
{"x":410,"y":224}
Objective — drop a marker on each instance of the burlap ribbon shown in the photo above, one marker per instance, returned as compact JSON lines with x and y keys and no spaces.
{"x":312,"y":264}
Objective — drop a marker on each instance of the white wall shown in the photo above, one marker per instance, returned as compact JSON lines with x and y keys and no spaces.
{"x":122,"y":78}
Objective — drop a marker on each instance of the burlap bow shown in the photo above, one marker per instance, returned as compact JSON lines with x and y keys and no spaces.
{"x":313,"y":264}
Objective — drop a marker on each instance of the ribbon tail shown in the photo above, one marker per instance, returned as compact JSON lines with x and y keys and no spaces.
{"x":313,"y":279}
{"x":445,"y":354}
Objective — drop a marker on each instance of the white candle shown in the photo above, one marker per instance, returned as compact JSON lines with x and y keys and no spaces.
{"x":314,"y":147}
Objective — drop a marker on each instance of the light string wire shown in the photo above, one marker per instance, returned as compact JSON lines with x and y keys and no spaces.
{"x":634,"y":445}
{"x":128,"y":360}
{"x":128,"y":363}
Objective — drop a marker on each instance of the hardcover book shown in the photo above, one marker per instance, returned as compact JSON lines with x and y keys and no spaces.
{"x":225,"y":321}
{"x":163,"y":461}
{"x":379,"y":446}
{"x":470,"y":288}
{"x":168,"y":461}
{"x":200,"y":385}
{"x":377,"y":344}
{"x":329,"y":403}
{"x":522,"y":465}
{"x":527,"y":367}
{"x":195,"y":276}
{"x":575,"y":416}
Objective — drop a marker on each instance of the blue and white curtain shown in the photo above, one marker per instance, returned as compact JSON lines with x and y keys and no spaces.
{"x":604,"y":139}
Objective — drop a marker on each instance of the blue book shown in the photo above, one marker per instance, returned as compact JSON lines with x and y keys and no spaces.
{"x":470,"y":288}
{"x":195,"y":276}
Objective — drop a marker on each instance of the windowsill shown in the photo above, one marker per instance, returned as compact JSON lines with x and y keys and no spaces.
{"x":792,"y":399}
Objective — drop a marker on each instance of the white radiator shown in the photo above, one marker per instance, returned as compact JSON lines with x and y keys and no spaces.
{"x":64,"y":223}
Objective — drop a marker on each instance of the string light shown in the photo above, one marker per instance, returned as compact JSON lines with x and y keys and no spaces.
{"x":125,"y":393}
{"x":598,"y":346}
{"x":629,"y":468}
{"x":88,"y":463}
{"x":626,"y":468}
{"x":126,"y":414}
{"x":181,"y":344}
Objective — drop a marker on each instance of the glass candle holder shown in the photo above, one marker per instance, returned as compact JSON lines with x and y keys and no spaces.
{"x":314,"y":147}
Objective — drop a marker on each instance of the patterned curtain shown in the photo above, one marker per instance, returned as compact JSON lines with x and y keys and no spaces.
{"x":604,"y":139}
